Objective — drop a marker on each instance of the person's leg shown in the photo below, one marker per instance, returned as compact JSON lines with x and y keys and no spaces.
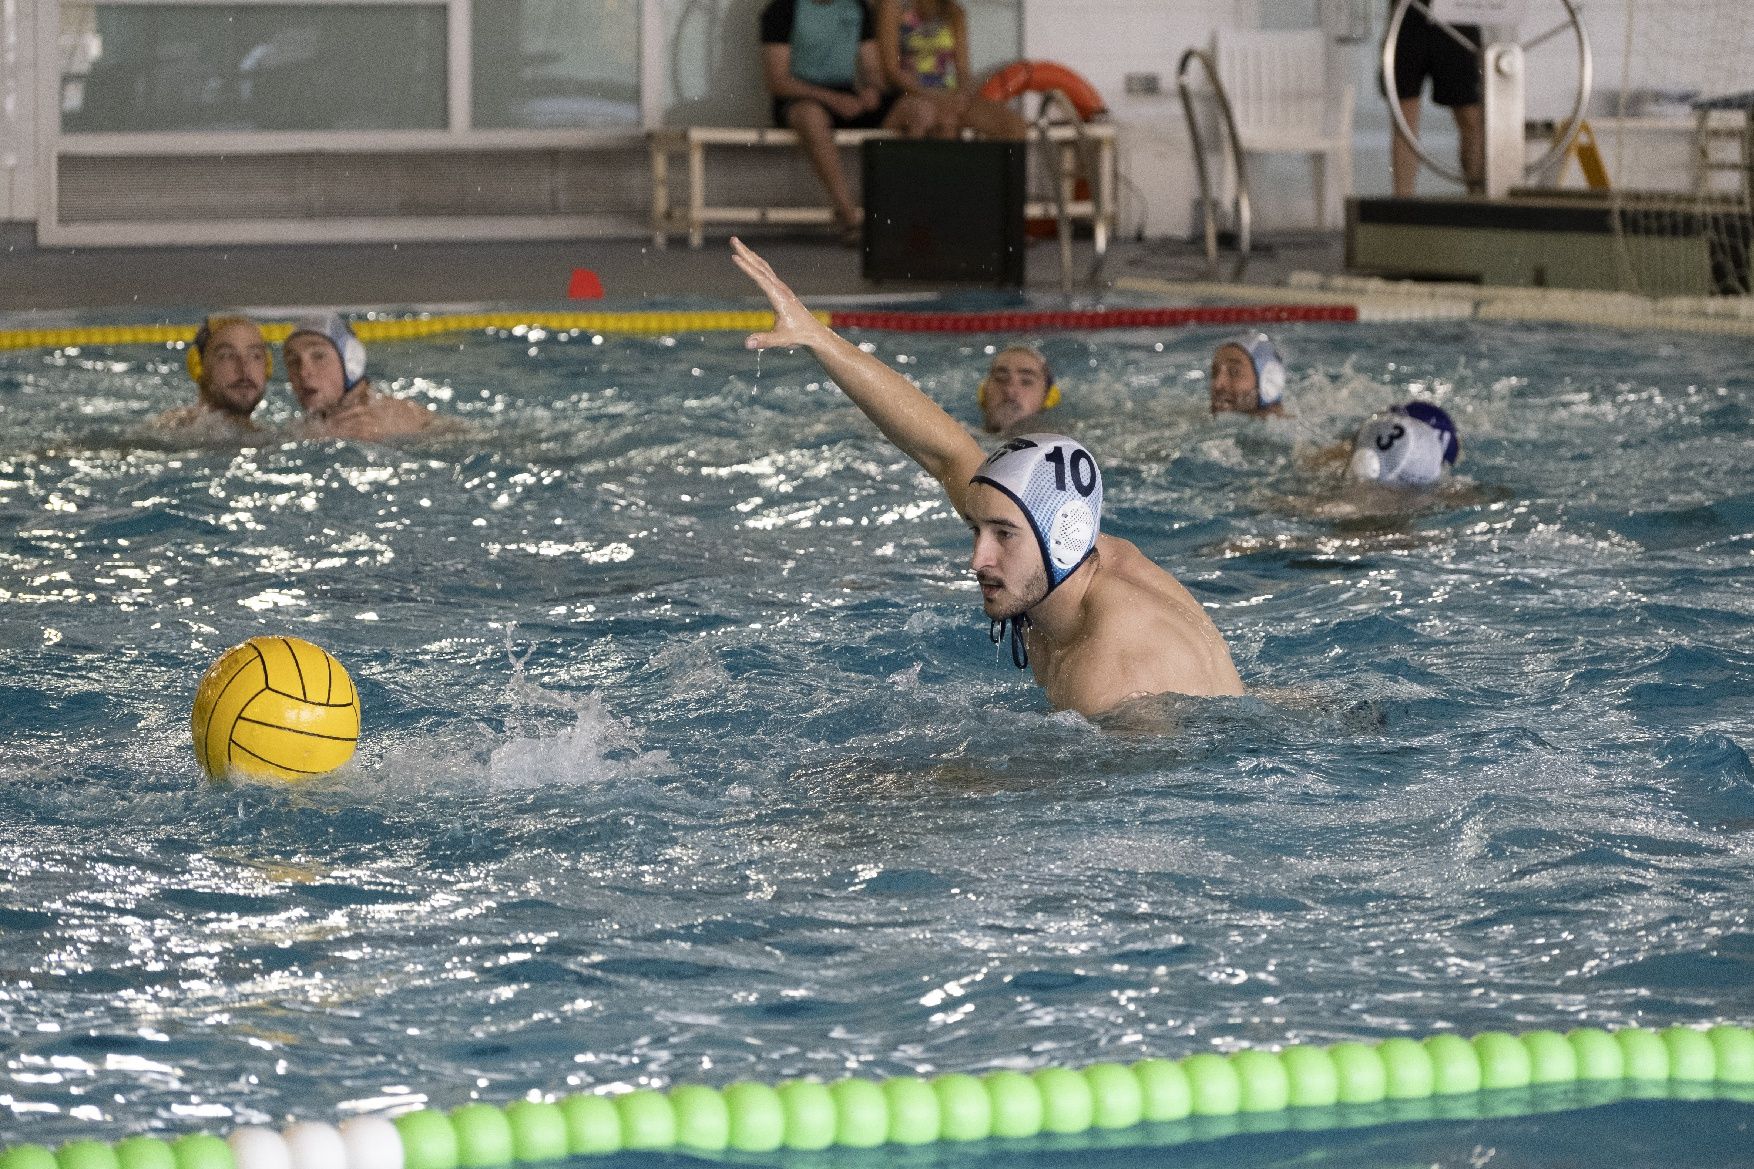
{"x":912,"y":116}
{"x":990,"y":119}
{"x":946,"y":116}
{"x":1471,"y":129}
{"x":815,"y":131}
{"x":1403,"y":163}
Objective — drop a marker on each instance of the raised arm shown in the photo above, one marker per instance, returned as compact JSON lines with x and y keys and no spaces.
{"x":776,"y":72}
{"x":870,"y":71}
{"x":912,"y":421}
{"x":889,"y":46}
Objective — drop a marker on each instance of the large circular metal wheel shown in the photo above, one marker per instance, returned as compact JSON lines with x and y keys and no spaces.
{"x":1573,"y":120}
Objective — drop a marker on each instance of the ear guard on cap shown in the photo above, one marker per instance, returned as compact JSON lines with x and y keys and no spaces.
{"x":194,"y":353}
{"x":1055,"y":482}
{"x":1407,"y":446}
{"x":1049,"y":400}
{"x":1269,"y":367}
{"x":1047,"y":403}
{"x":340,"y":334}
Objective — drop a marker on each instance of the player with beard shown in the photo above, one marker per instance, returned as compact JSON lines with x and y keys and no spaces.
{"x":230,"y":363}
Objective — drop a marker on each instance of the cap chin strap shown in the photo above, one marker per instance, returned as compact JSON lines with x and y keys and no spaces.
{"x":1018,"y":624}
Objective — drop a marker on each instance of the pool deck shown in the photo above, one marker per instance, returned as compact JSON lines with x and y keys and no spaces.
{"x":47,"y":288}
{"x":37,"y":280}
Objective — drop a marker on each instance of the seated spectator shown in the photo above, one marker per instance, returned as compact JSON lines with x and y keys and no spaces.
{"x":325,"y":364}
{"x":230,"y":363}
{"x":819,"y":59}
{"x":1018,"y":386}
{"x":1248,"y":377}
{"x":924,"y":48}
{"x":1406,"y":446}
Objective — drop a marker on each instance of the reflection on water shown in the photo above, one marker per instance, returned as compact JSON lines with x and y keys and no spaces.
{"x":687,"y":755}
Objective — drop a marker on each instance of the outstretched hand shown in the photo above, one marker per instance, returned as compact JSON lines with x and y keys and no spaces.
{"x":793,"y":325}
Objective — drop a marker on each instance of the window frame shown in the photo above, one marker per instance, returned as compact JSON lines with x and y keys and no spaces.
{"x":459,"y":131}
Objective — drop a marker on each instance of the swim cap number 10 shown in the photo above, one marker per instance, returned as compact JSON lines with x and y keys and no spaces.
{"x":1083,"y":469}
{"x":1055,"y":482}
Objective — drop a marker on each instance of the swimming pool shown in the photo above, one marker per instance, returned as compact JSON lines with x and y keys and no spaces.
{"x":687,"y":757}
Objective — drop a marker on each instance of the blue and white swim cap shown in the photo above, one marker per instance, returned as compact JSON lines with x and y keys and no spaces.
{"x":1269,"y":367}
{"x":1407,"y":446}
{"x":339,"y":334}
{"x":1055,"y":482}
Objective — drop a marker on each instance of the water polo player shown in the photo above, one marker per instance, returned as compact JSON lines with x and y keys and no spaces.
{"x":325,"y":365}
{"x":1407,"y":446}
{"x":1018,"y":386}
{"x":1096,"y":620}
{"x":1248,"y":376}
{"x":230,"y":363}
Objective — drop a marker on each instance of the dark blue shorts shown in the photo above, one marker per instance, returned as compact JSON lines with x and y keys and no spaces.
{"x":1424,"y":50}
{"x":869,"y":120}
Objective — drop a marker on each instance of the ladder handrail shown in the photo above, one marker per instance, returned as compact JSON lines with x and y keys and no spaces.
{"x":1233,"y":144}
{"x":1057,"y":100}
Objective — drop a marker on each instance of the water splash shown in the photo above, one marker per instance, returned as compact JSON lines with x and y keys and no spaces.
{"x":597,"y":748}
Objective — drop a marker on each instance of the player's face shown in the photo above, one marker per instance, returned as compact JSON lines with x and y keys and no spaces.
{"x":235,"y":369}
{"x":314,"y":369}
{"x":1017,"y":387}
{"x":1007,"y":559}
{"x":1234,"y":386}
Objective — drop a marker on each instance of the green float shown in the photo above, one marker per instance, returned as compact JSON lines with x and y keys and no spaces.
{"x":1200,"y":1096}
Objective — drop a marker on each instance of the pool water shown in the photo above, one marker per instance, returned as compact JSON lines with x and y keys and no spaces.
{"x":687,"y":757}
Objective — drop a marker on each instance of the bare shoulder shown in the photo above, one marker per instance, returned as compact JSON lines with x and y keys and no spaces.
{"x":404,"y":413}
{"x":411,"y":418}
{"x":384,"y":418}
{"x":196,"y":423}
{"x":176,"y":418}
{"x":1157,"y":635}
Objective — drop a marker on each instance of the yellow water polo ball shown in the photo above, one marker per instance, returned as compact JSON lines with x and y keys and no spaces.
{"x":275,"y":708}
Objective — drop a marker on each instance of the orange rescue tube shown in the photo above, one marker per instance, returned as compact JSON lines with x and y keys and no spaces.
{"x":1039,"y":77}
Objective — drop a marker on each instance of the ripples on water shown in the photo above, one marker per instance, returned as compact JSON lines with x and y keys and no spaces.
{"x":687,"y":756}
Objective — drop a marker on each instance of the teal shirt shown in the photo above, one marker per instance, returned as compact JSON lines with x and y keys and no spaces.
{"x":824,"y":39}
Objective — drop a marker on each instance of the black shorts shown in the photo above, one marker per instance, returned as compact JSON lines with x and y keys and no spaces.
{"x":1425,"y":50}
{"x":869,"y":120}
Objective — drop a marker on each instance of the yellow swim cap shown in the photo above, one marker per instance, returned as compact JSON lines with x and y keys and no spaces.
{"x":1047,"y":403}
{"x":196,"y":351}
{"x":1049,"y":400}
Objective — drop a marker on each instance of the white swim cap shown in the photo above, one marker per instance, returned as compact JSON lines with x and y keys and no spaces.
{"x":1407,"y":446}
{"x":339,"y":334}
{"x":1055,"y":481}
{"x":1269,"y":367}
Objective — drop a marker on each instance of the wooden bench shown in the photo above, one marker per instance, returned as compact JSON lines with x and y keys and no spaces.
{"x":695,"y":143}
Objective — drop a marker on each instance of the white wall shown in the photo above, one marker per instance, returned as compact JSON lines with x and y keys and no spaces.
{"x":716,"y":79}
{"x":17,"y":109}
{"x":1104,"y":40}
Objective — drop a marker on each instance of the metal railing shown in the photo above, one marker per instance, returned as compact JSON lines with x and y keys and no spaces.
{"x":1241,"y":214}
{"x":1082,"y":156}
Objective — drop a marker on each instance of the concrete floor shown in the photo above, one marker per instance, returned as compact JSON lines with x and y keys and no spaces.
{"x":137,"y":284}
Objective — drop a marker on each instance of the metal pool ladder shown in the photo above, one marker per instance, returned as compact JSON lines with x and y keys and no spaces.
{"x":1241,"y":214}
{"x":1065,"y":166}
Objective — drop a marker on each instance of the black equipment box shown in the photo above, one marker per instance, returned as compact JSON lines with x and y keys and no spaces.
{"x":944,"y":211}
